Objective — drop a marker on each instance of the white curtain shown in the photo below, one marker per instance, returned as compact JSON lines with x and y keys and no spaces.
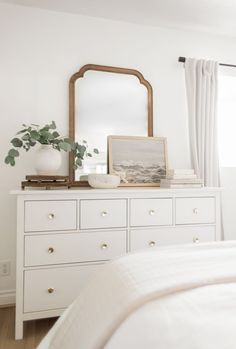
{"x":202,"y":85}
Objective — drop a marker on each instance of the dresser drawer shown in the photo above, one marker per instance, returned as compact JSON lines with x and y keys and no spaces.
{"x":50,"y":215}
{"x":195,"y":210}
{"x":147,"y":212}
{"x":54,"y":288}
{"x":142,"y":239}
{"x":96,"y":214}
{"x":74,"y":247}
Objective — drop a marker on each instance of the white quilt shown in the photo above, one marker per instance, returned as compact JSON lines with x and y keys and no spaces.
{"x":177,"y":297}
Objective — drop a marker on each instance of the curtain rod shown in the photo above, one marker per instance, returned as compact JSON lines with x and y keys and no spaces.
{"x":183,"y":59}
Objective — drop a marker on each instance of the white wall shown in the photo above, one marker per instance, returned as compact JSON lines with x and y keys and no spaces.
{"x":40,"y":50}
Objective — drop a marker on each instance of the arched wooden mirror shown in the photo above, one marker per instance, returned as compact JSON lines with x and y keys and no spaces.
{"x":106,"y":101}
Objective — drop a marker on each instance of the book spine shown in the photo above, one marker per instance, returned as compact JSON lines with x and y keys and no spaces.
{"x":184,"y":176}
{"x":181,"y":186}
{"x":180,"y":172}
{"x":182,"y":181}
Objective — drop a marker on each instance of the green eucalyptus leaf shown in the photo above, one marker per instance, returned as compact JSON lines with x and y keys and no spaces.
{"x":74,"y":146}
{"x":81,"y":149}
{"x":26,"y":137}
{"x":95,"y":150}
{"x":55,"y":134}
{"x":64,"y":146}
{"x":13,"y":153}
{"x":45,"y":128}
{"x":50,"y":137}
{"x":12,"y":161}
{"x":89,"y":154}
{"x":7,"y":159}
{"x":46,"y":135}
{"x":78,"y":162}
{"x":68,"y":140}
{"x":43,"y":141}
{"x":53,"y":126}
{"x":21,"y":131}
{"x":32,"y":143}
{"x":35,"y":135}
{"x":16,"y":142}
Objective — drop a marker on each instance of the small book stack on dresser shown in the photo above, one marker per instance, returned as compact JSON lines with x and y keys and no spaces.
{"x":177,"y":178}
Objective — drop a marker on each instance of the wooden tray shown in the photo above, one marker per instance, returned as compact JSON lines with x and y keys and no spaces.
{"x":46,"y":182}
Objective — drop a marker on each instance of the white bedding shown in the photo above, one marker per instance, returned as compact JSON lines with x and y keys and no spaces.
{"x":178,"y":297}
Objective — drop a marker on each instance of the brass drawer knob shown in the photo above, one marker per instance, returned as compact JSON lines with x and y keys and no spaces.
{"x":152,"y":212}
{"x":196,"y":240}
{"x":104,"y":246}
{"x":104,"y":213}
{"x":152,"y":243}
{"x":51,"y":216}
{"x":51,"y":290}
{"x":50,"y":250}
{"x":195,"y":210}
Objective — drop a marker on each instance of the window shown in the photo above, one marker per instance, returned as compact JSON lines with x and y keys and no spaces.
{"x":227,"y":119}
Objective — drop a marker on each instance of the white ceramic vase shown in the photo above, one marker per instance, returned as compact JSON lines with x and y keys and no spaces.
{"x":47,"y":160}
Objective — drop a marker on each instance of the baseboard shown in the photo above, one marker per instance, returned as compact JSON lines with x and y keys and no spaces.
{"x":7,"y":297}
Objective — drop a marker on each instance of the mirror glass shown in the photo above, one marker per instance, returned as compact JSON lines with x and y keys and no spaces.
{"x":107,"y":103}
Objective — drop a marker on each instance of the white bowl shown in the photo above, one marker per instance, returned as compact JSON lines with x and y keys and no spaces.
{"x":103,"y":181}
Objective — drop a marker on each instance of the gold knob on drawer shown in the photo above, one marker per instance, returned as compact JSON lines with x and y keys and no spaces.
{"x":152,"y":243}
{"x":152,"y":212}
{"x":195,"y":210}
{"x":104,"y":246}
{"x":51,"y":216}
{"x":51,"y":290}
{"x":50,"y":250}
{"x":196,"y":240}
{"x":104,"y":213}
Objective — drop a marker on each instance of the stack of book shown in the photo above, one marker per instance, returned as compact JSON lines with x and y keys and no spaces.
{"x":176,"y":178}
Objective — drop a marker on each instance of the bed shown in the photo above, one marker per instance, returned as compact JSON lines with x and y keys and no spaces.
{"x":177,"y":297}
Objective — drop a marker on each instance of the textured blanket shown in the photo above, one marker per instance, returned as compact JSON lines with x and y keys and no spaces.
{"x":126,"y":284}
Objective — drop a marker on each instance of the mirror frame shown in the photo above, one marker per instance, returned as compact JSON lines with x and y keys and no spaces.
{"x":108,"y":69}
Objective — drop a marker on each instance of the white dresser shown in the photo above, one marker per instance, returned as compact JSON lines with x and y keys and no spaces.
{"x":65,"y":235}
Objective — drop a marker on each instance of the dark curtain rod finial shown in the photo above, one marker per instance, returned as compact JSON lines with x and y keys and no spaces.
{"x":183,"y":59}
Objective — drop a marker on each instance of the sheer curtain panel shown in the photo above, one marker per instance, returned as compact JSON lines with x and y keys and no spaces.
{"x":202,"y":89}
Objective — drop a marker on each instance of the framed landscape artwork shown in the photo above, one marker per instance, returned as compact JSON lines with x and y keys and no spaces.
{"x":139,"y":161}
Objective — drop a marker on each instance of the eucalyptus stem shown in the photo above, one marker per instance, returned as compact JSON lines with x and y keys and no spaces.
{"x":32,"y":134}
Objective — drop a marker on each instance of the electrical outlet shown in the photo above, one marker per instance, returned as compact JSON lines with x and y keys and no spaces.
{"x":5,"y":267}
